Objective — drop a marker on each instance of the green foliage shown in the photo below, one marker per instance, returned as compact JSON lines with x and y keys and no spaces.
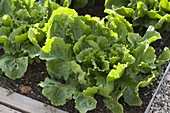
{"x":5,"y":7}
{"x":57,"y":91}
{"x":84,"y":55}
{"x":143,"y":13}
{"x":6,"y":20}
{"x":113,"y":104}
{"x":20,"y":34}
{"x":104,"y":58}
{"x":13,"y":67}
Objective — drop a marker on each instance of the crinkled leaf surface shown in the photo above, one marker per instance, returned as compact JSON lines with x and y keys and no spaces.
{"x":151,"y":34}
{"x":141,"y":8}
{"x":21,"y":38}
{"x":56,"y":92}
{"x":31,"y":49}
{"x":112,"y":103}
{"x":17,"y":32}
{"x":14,"y":67}
{"x":128,"y":12}
{"x":90,"y":91}
{"x":116,"y":73}
{"x":59,"y":26}
{"x":56,"y":48}
{"x":165,"y":56}
{"x":12,"y":48}
{"x":82,"y":55}
{"x":30,"y":3}
{"x":3,"y":39}
{"x":77,"y":70}
{"x":4,"y":31}
{"x":32,"y":32}
{"x":59,"y":68}
{"x":84,"y":103}
{"x":162,"y":21}
{"x":130,"y":94}
{"x":5,"y":7}
{"x":78,"y":29}
{"x":164,"y":4}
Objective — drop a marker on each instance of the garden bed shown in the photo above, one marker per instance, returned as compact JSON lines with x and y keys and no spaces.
{"x":106,"y":59}
{"x":36,"y":74}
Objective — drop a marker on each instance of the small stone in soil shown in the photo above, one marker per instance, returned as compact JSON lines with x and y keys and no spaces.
{"x":25,"y":89}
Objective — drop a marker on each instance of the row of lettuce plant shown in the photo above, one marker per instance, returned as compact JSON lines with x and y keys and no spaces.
{"x":143,"y":12}
{"x":84,"y":55}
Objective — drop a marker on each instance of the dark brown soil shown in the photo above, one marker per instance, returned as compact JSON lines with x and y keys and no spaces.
{"x":160,"y":44}
{"x":96,"y":10}
{"x":36,"y":72}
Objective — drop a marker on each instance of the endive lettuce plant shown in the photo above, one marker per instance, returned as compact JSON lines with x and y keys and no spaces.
{"x":88,"y":56}
{"x":143,"y":12}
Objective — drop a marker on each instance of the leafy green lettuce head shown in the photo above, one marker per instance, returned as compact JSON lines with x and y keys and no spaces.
{"x":92,"y":56}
